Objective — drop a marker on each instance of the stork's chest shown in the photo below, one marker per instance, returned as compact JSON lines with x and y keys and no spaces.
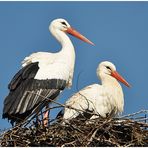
{"x":56,"y":69}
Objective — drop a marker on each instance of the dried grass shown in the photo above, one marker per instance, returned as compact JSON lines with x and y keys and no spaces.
{"x":130,"y":130}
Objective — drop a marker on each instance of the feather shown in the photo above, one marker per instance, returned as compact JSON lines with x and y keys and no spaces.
{"x":26,"y":93}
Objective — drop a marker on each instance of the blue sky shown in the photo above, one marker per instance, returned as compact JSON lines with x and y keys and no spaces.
{"x":118,"y":29}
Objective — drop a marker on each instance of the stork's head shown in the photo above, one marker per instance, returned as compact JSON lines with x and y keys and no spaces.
{"x":60,"y":24}
{"x":107,"y":68}
{"x":64,"y":26}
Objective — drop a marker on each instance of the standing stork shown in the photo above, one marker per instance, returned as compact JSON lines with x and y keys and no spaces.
{"x":43,"y":75}
{"x":103,"y":100}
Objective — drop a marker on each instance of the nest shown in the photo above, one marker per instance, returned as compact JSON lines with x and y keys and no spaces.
{"x":124,"y":131}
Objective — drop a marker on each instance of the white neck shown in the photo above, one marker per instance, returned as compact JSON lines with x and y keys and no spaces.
{"x":67,"y":53}
{"x":114,"y":89}
{"x":109,"y":81}
{"x":62,"y":38}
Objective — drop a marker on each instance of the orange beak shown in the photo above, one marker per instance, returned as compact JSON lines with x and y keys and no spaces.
{"x":78,"y":35}
{"x":116,"y":75}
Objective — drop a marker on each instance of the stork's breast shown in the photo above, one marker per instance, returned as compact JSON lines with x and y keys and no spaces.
{"x":53,"y":71}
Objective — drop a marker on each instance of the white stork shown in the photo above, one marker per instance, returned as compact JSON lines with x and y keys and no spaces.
{"x":103,"y":100}
{"x":42,"y":74}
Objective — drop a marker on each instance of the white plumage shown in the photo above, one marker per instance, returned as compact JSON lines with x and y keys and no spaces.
{"x":53,"y":65}
{"x":42,"y":74}
{"x":102,"y":99}
{"x":58,"y":65}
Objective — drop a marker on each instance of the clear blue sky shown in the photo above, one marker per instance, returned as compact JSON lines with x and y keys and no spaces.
{"x":118,"y":29}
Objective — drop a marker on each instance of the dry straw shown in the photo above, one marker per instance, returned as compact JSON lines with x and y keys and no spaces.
{"x":130,"y":130}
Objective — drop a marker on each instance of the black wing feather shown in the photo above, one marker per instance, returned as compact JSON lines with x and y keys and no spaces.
{"x":26,"y":93}
{"x":26,"y":72}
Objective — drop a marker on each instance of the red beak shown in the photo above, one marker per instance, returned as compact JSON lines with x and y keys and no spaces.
{"x":116,"y":75}
{"x":78,"y":35}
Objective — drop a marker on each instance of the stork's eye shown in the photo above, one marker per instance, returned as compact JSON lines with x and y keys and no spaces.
{"x":108,"y":67}
{"x":64,"y":23}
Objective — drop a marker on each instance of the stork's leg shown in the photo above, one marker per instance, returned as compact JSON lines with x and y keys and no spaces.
{"x":46,"y":116}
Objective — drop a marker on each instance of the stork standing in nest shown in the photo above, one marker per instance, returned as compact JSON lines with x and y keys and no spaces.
{"x":102,"y":100}
{"x":43,"y":75}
